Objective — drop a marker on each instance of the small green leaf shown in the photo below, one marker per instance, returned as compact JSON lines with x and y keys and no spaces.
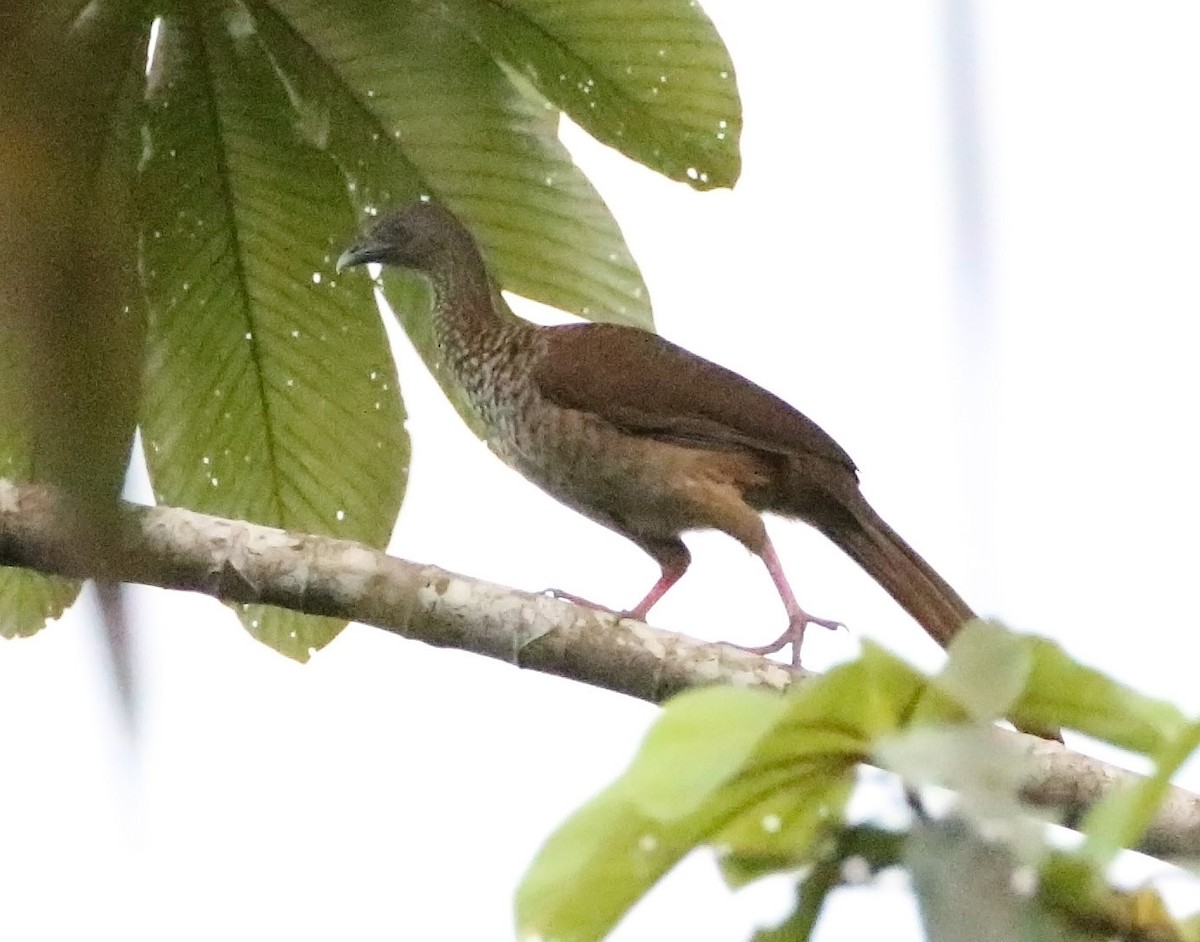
{"x":683,"y":789}
{"x":863,"y":699}
{"x":1120,"y":818}
{"x":593,"y":868}
{"x":988,"y":670}
{"x":702,"y":741}
{"x":1061,"y":692}
{"x":762,"y":778}
{"x":784,"y":827}
{"x":29,"y":599}
{"x":993,"y":673}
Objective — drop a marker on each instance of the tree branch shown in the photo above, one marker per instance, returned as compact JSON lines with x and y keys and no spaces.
{"x":242,"y":562}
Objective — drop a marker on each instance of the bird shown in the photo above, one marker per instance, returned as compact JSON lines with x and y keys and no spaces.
{"x":643,"y":436}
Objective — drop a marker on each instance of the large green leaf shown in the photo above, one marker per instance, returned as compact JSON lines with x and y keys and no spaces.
{"x":266,"y":123}
{"x":650,"y":79}
{"x":413,"y":104}
{"x":266,"y":130}
{"x":270,"y":394}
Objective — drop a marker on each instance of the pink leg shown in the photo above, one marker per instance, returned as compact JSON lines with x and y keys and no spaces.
{"x":672,"y":557}
{"x":670,"y":575}
{"x":798,"y":618}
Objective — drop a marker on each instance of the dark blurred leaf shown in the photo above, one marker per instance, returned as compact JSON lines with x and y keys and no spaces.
{"x":970,"y":889}
{"x":69,"y":246}
{"x":1076,"y":892}
{"x":864,"y":850}
{"x":71,"y":323}
{"x":27,"y":598}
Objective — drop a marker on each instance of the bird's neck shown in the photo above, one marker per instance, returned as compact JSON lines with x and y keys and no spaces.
{"x":464,"y":309}
{"x":477,"y":335}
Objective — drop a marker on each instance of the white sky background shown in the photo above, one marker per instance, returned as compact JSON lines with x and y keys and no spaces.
{"x":389,"y":790}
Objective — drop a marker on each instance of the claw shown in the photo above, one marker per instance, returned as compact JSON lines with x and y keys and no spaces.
{"x":794,"y":635}
{"x":576,"y":599}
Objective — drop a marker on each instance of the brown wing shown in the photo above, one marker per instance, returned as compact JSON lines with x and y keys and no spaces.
{"x":641,"y":382}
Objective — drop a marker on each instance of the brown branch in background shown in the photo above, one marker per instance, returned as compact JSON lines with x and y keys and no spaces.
{"x":242,"y":562}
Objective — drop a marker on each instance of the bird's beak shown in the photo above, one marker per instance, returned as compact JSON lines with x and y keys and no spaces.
{"x":355,"y":255}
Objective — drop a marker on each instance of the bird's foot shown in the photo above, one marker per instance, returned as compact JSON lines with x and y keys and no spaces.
{"x":794,"y":635}
{"x":637,"y":614}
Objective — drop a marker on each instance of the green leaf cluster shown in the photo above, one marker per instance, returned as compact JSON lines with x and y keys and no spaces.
{"x":214,"y":157}
{"x":763,"y":781}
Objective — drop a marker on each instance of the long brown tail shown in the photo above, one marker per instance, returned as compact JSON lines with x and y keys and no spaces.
{"x":896,"y":566}
{"x":911,"y":581}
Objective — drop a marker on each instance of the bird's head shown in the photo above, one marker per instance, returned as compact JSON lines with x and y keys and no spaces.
{"x":422,"y":236}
